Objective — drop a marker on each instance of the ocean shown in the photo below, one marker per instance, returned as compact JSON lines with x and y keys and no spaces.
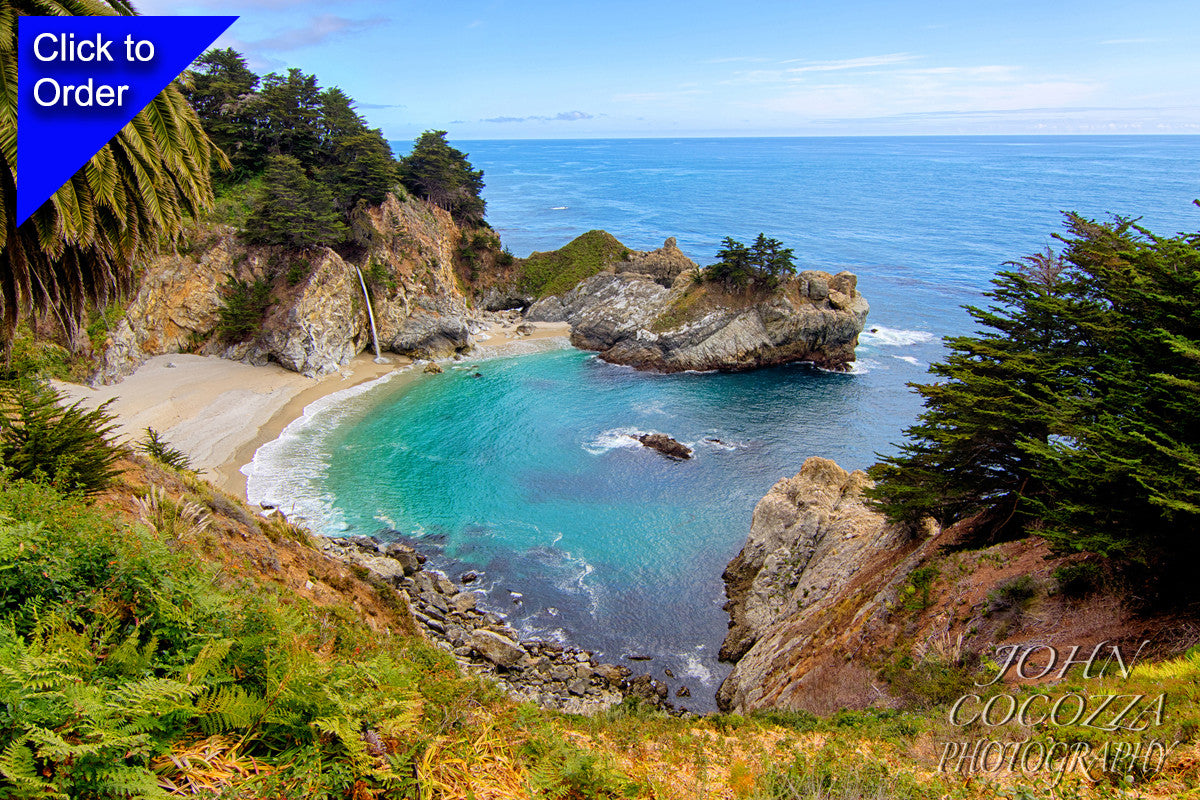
{"x":527,"y":474}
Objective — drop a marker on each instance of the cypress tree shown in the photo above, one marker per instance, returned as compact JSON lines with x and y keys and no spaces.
{"x":293,"y":210}
{"x":1074,"y":412}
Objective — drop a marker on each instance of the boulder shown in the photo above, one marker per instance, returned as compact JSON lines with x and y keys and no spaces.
{"x":500,"y":650}
{"x":429,"y":335}
{"x":666,"y":445}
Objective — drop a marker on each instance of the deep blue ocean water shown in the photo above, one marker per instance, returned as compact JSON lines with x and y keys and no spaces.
{"x":526,"y":474}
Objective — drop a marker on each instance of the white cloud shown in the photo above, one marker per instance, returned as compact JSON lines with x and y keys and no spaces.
{"x":848,"y":63}
{"x":1131,"y":41}
{"x":562,"y":116}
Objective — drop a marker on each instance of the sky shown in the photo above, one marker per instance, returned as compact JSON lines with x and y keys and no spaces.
{"x":514,"y":69}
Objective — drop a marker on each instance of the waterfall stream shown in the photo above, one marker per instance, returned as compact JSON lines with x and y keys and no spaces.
{"x":379,"y":359}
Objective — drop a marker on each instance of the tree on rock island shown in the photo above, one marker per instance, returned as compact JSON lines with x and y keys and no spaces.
{"x":764,"y":263}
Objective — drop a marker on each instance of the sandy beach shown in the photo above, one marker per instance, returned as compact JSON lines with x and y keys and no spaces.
{"x":220,"y":412}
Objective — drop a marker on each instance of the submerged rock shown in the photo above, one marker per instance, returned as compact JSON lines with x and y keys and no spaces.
{"x":666,"y":445}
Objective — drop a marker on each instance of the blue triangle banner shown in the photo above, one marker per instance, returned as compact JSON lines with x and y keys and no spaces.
{"x":81,"y":79}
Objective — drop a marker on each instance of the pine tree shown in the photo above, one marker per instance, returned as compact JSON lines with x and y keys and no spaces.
{"x":221,"y":89}
{"x":293,"y":210}
{"x":765,"y":263}
{"x":443,"y":176}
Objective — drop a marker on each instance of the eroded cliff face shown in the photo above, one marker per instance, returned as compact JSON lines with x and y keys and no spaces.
{"x":649,"y":312}
{"x":832,"y":607}
{"x":811,"y":536}
{"x":317,"y":324}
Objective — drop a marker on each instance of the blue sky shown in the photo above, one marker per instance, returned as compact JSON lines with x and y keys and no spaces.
{"x":507,"y":69}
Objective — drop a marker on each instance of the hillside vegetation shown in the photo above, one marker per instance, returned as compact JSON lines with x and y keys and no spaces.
{"x":162,"y":641}
{"x":558,"y":271}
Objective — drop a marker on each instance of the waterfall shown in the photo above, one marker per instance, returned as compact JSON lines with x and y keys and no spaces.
{"x":371,"y":316}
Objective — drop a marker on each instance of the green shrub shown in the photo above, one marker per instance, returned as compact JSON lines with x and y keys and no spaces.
{"x":66,"y":447}
{"x":245,"y":304}
{"x":377,"y":274}
{"x":837,"y":773}
{"x":916,"y":593}
{"x":1078,"y":580}
{"x":1013,"y":596}
{"x":559,"y":271}
{"x":297,"y":271}
{"x":157,"y":448}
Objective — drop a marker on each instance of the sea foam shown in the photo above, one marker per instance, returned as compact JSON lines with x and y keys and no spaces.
{"x":879,"y":336}
{"x":288,"y":475}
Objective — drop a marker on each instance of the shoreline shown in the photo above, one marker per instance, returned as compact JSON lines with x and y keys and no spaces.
{"x":220,"y":412}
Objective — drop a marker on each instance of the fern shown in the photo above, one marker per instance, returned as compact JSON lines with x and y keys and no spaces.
{"x":208,"y":659}
{"x":153,"y":696}
{"x":18,"y":766}
{"x":228,"y":708}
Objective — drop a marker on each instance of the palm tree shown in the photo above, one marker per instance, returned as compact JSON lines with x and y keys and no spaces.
{"x":81,"y":245}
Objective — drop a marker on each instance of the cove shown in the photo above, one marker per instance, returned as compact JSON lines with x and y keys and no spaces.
{"x":528,"y":475}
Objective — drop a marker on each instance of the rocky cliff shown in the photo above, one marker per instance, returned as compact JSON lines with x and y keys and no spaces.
{"x":649,"y":311}
{"x":810,"y":537}
{"x":832,"y":607}
{"x":317,"y":319}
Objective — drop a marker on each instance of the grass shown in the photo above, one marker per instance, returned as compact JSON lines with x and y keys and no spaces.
{"x":699,"y":299}
{"x":544,"y":274}
{"x":233,"y":202}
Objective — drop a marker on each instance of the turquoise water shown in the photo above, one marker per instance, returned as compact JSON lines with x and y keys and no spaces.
{"x":527,"y":474}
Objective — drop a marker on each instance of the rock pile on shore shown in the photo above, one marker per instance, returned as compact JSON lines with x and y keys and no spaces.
{"x":549,"y":674}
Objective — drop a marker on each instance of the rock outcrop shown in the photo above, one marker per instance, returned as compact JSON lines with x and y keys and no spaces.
{"x":175,"y":306}
{"x":317,"y":320}
{"x":834,"y":608}
{"x":650,"y":312}
{"x":811,"y":537}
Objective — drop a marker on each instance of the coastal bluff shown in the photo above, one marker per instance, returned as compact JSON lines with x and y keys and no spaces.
{"x":651,"y":311}
{"x":316,"y":319}
{"x":812,"y":538}
{"x":834,"y":607}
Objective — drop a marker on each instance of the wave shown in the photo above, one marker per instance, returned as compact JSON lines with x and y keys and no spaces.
{"x":287,"y":473}
{"x":650,"y":408}
{"x":909,"y":359}
{"x":859,"y":366}
{"x":614,"y":438}
{"x":695,"y":669}
{"x":879,"y":336}
{"x":720,"y":444}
